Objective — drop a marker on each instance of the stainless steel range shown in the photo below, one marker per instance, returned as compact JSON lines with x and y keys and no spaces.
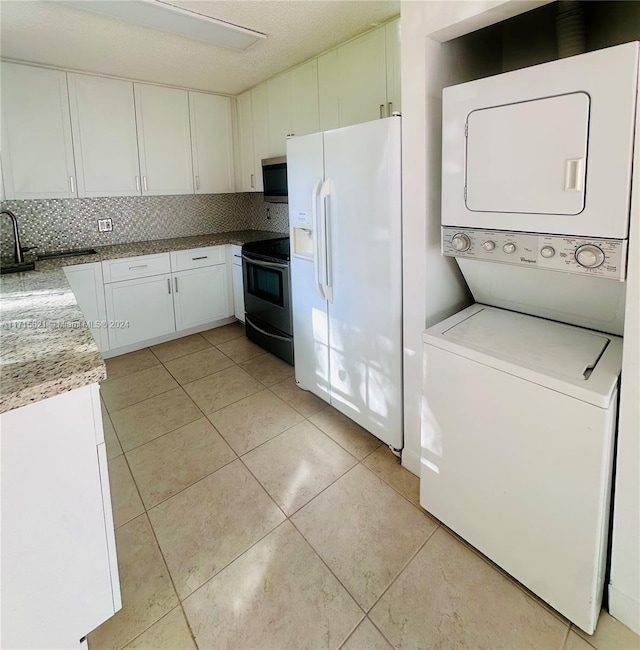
{"x":267,"y":296}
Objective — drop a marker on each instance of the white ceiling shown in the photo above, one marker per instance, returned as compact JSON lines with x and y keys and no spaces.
{"x":48,"y":33}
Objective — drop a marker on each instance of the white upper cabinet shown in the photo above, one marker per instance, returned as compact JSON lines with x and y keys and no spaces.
{"x":392,"y":33}
{"x":280,"y":110}
{"x":260,"y":112}
{"x":362,"y":85}
{"x":164,"y":140}
{"x":212,"y":143}
{"x":246,"y":159}
{"x":103,"y":121}
{"x":37,"y":150}
{"x":329,"y":95}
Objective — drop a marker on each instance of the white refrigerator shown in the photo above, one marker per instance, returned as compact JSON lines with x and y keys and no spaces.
{"x":346,"y":271}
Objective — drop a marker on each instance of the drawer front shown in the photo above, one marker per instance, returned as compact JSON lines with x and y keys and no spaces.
{"x":196,"y":258}
{"x":130,"y":268}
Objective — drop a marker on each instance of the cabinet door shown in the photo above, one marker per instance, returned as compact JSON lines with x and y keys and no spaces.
{"x":211,"y":143}
{"x":304,"y":86}
{"x":392,"y":32}
{"x":246,"y":180}
{"x":139,"y":310}
{"x":200,"y":296}
{"x":103,"y":121}
{"x":238,"y":292}
{"x":362,"y":85}
{"x":328,"y":92}
{"x":37,"y":151}
{"x":260,"y":113}
{"x":279,"y":98}
{"x":164,"y":140}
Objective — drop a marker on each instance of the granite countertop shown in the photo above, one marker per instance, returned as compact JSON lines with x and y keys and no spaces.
{"x":45,"y":348}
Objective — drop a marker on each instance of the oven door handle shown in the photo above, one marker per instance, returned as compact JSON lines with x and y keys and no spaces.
{"x":259,"y":329}
{"x":275,"y":265}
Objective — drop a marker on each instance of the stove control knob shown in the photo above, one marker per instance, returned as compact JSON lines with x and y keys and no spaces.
{"x":547,"y":251}
{"x":509,"y":248}
{"x":488,"y":245}
{"x":589,"y":256}
{"x":461,"y":242}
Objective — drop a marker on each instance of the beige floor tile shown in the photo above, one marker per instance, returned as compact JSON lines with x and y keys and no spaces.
{"x":131,"y":389}
{"x":147,"y":593}
{"x":222,"y":388}
{"x":278,"y":595}
{"x":303,"y":401}
{"x":366,"y":637}
{"x":197,"y":365}
{"x":297,"y":465}
{"x":125,"y":499}
{"x":345,"y":432}
{"x":225,"y":333}
{"x":268,"y":369}
{"x":111,"y":439}
{"x":203,"y":528}
{"x":449,"y":597}
{"x":125,"y":364}
{"x":364,"y":531}
{"x":240,"y":349}
{"x":611,"y":634}
{"x":254,"y":420}
{"x":387,"y":466}
{"x":147,"y":420}
{"x":575,"y":642}
{"x":168,"y":464}
{"x":180,"y":347}
{"x":171,"y":632}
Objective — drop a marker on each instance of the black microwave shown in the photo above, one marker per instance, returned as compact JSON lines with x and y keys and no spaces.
{"x":274,"y":179}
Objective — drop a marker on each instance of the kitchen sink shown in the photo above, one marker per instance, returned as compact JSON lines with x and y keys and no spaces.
{"x":67,"y":253}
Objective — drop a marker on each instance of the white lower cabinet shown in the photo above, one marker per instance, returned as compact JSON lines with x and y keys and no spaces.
{"x":238,"y":282}
{"x":200,"y":296}
{"x":59,"y":567}
{"x":140,"y":309}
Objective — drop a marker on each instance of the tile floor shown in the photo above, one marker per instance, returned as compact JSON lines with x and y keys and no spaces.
{"x":251,"y":515}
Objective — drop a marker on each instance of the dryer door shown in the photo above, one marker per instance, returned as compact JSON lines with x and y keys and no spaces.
{"x":529,"y":157}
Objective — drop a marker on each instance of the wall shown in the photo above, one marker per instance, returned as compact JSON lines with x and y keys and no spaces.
{"x":54,"y":224}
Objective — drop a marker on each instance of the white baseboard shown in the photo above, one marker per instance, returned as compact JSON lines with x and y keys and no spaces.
{"x":624,"y":608}
{"x":107,"y":354}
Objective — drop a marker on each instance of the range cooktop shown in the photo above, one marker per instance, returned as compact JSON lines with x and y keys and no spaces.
{"x":269,"y":249}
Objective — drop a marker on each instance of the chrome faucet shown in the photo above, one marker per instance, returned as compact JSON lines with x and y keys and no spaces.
{"x":18,"y":250}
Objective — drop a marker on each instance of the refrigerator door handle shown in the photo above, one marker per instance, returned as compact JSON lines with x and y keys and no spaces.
{"x":325,"y":194}
{"x":316,"y":238}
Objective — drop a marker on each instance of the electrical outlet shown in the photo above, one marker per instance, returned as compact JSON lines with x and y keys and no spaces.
{"x":105,"y":225}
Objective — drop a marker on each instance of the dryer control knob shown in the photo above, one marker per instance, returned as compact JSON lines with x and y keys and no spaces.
{"x":547,"y":251}
{"x":589,"y":256}
{"x":509,"y":248}
{"x":488,"y":245}
{"x":461,"y":242}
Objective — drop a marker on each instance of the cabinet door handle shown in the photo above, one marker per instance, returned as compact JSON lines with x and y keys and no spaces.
{"x":140,"y":266}
{"x":144,"y":183}
{"x":203,"y":257}
{"x":168,"y":285}
{"x":73,"y":187}
{"x":390,"y":105}
{"x":197,"y":183}
{"x":137,"y":183}
{"x":252,"y":185}
{"x":381,"y":111}
{"x":175,"y":284}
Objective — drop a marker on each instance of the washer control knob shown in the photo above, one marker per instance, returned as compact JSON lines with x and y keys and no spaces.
{"x":589,"y":256}
{"x":488,"y":245}
{"x":461,"y":242}
{"x":547,"y":251}
{"x":509,"y":248}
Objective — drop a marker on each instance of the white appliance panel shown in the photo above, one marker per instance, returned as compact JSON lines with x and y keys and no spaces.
{"x":509,"y":171}
{"x":610,"y":78}
{"x":305,"y":167}
{"x":362,"y":169}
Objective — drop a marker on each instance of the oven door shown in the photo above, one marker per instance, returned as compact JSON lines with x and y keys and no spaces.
{"x":267,"y":294}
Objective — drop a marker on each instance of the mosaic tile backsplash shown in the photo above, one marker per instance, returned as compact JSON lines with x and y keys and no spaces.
{"x":56,"y":224}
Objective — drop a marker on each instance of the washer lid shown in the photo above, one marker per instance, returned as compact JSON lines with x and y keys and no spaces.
{"x":547,"y":345}
{"x":577,"y":362}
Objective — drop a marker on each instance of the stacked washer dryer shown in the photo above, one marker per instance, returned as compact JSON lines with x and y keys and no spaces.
{"x":521,"y":388}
